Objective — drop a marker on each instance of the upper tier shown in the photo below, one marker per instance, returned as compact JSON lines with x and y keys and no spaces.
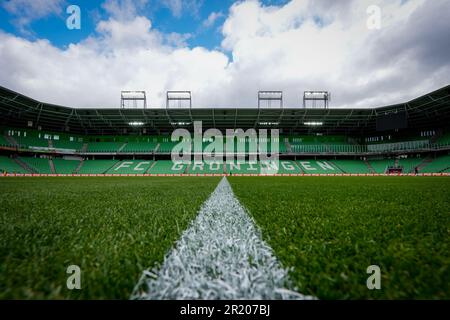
{"x":42,"y":142}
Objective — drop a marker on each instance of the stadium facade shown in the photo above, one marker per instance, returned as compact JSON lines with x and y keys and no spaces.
{"x":40,"y":138}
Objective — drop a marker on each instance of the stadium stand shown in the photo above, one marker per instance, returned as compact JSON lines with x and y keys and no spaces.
{"x":8,"y":165}
{"x":131,"y":167}
{"x":67,"y":145}
{"x":351,"y":166}
{"x":4,"y":142}
{"x":444,"y":139}
{"x":318,"y":167}
{"x":106,"y":147}
{"x":289,"y":167}
{"x":205,"y":168}
{"x":96,"y":166}
{"x":40,"y":165}
{"x":167,"y":167}
{"x":165,"y":147}
{"x":32,"y":142}
{"x":439,"y":164}
{"x":398,"y":146}
{"x":305,"y":166}
{"x":243,"y":168}
{"x":319,"y":144}
{"x":63,"y":166}
{"x":409,"y":164}
{"x":139,"y":147}
{"x":309,"y":138}
{"x":381,"y":165}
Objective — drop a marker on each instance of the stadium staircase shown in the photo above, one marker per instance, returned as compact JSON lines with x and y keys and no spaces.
{"x":151,"y":167}
{"x":424,"y":163}
{"x":123,"y":146}
{"x":11,"y":140}
{"x":339,"y":167}
{"x":188,"y":167}
{"x":97,"y":166}
{"x":40,"y":165}
{"x":288,"y":145}
{"x":156,"y":148}
{"x":8,"y":165}
{"x":112,"y":167}
{"x":84,"y":148}
{"x":434,"y":139}
{"x":371,"y":169}
{"x":437,"y":165}
{"x":298,"y":166}
{"x":51,"y":164}
{"x":50,"y":143}
{"x":24,"y":165}
{"x":77,"y":170}
{"x":351,"y":166}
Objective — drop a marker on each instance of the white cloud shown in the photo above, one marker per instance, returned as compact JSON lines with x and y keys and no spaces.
{"x":126,"y":56}
{"x":300,"y":46}
{"x":178,"y":40}
{"x":26,"y":11}
{"x":285,"y":48}
{"x":178,"y":7}
{"x":124,"y":9}
{"x":212,"y":18}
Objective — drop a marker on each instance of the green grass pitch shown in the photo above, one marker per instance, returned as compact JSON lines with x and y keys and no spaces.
{"x":112,"y":228}
{"x":330,"y":229}
{"x":327,"y":229}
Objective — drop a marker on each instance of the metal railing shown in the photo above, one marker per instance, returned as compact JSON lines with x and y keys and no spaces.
{"x":422,"y":145}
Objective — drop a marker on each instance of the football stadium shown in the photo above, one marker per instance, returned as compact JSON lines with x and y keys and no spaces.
{"x":312,"y":141}
{"x":98,"y":187}
{"x":170,"y":199}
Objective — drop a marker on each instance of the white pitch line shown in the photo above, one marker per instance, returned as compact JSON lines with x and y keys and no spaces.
{"x":220,"y":256}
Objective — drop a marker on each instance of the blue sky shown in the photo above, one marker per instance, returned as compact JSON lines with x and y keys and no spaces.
{"x":251,"y":45}
{"x":190,"y":21}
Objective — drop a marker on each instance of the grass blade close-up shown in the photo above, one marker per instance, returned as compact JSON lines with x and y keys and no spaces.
{"x":330,"y":229}
{"x":112,"y":228}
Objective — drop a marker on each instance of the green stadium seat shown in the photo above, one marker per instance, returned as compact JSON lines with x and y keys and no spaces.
{"x":318,"y":167}
{"x":409,"y":164}
{"x":65,"y":166}
{"x":131,"y":167}
{"x":242,"y":168}
{"x":30,"y":142}
{"x":351,"y":166}
{"x":8,"y":165}
{"x":106,"y":147}
{"x":96,"y":166}
{"x":288,"y":167}
{"x":166,"y":147}
{"x":40,"y":165}
{"x":381,"y":166}
{"x":444,"y":139}
{"x":167,"y":167}
{"x":68,"y":145}
{"x":4,"y":142}
{"x":139,"y":147}
{"x":437,"y":165}
{"x":398,"y":146}
{"x":206,"y":168}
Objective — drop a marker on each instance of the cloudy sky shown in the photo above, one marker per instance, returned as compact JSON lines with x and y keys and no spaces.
{"x":225,"y":51}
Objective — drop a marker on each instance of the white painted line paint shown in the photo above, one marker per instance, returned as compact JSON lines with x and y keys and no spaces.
{"x":220,"y":256}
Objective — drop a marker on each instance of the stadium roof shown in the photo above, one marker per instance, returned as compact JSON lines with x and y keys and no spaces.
{"x":16,"y":110}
